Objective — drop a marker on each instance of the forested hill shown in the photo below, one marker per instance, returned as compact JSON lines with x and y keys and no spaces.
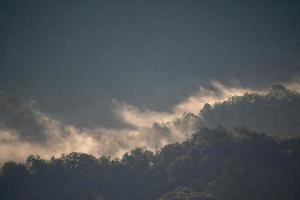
{"x":218,"y":162}
{"x":215,"y":164}
{"x":276,"y":113}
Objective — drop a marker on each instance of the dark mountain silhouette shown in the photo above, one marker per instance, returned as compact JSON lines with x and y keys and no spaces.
{"x":276,"y":113}
{"x":215,"y":164}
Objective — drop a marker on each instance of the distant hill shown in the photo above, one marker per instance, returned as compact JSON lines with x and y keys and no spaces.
{"x":214,"y":164}
{"x":276,"y":113}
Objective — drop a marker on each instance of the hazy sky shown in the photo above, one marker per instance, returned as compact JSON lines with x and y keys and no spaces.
{"x":75,"y":57}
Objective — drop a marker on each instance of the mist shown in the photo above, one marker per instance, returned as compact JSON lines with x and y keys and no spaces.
{"x":143,"y":127}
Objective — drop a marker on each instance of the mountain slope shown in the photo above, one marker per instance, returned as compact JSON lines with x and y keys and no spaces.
{"x":276,"y":113}
{"x":215,"y":164}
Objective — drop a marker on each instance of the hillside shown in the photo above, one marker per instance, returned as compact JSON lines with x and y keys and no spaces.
{"x":215,"y":164}
{"x":276,"y":113}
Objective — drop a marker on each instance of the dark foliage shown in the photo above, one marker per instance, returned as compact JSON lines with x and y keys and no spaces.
{"x":276,"y":113}
{"x":215,"y":164}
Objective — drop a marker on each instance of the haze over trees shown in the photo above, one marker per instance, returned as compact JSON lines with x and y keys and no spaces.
{"x":276,"y":113}
{"x":149,"y":100}
{"x":218,"y":162}
{"x":213,"y":164}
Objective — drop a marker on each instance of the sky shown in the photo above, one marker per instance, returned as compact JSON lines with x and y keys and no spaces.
{"x":78,"y":59}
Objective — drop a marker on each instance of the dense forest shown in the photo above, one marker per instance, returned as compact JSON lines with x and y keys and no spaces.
{"x":276,"y":113}
{"x":213,"y":164}
{"x":221,"y":160}
{"x":149,"y":100}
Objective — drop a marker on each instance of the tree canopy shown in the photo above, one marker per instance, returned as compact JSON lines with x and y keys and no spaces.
{"x":276,"y":113}
{"x":214,"y":164}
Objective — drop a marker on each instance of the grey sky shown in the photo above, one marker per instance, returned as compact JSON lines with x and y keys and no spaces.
{"x":75,"y":57}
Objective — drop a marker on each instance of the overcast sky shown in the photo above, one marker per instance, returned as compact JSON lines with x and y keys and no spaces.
{"x":75,"y":57}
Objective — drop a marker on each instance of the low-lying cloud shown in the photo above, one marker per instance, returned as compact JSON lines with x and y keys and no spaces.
{"x":293,"y":84}
{"x":219,"y":93}
{"x":146,"y":128}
